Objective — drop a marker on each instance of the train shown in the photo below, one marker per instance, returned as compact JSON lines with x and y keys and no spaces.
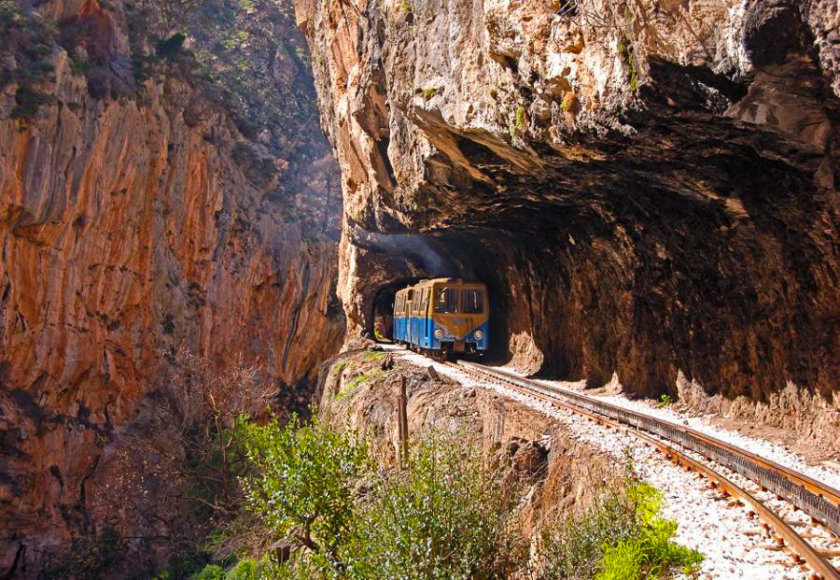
{"x":443,"y":317}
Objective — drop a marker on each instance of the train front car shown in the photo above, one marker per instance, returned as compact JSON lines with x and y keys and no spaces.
{"x":443,"y":316}
{"x":460,"y":316}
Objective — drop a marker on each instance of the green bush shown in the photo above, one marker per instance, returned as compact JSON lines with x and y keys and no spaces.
{"x":303,"y":489}
{"x":621,"y":538}
{"x":443,"y":517}
{"x":171,"y":47}
{"x":211,"y":572}
{"x":357,"y":381}
{"x":28,"y":102}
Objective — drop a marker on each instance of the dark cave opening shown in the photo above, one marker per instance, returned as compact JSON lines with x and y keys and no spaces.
{"x":643,"y":276}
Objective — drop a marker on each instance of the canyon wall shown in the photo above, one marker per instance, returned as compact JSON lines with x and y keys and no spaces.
{"x":649,"y":188}
{"x":157,"y":196}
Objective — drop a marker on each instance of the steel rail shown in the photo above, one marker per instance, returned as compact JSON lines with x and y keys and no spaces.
{"x":814,"y":559}
{"x":816,"y":499}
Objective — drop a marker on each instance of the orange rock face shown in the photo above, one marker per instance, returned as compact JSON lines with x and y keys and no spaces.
{"x":125,"y":233}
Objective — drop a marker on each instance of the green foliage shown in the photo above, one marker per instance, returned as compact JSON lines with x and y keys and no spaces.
{"x":303,"y":488}
{"x":28,"y":102}
{"x":9,"y":15}
{"x":79,"y":67}
{"x":621,"y":538}
{"x":520,"y":118}
{"x":338,"y":367}
{"x":443,"y":517}
{"x":172,"y":46}
{"x":517,"y":124}
{"x":406,"y":6}
{"x":357,"y":381}
{"x":211,"y":572}
{"x":626,"y":52}
{"x":29,"y":40}
{"x":375,"y":354}
{"x":665,"y":400}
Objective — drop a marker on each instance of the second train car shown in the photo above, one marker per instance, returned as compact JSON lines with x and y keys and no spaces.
{"x":443,"y":316}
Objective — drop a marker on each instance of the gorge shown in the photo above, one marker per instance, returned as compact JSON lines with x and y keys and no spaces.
{"x":649,"y":189}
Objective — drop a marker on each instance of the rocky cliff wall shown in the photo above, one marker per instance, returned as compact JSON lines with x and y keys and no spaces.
{"x":649,"y":188}
{"x":146,"y":208}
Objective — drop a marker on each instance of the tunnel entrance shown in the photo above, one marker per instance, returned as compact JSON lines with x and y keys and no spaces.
{"x":475,"y":260}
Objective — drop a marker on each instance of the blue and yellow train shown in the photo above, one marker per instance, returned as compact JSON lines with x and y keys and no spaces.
{"x":443,"y":316}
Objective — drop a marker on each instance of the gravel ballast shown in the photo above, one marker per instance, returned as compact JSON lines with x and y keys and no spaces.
{"x":734,"y":545}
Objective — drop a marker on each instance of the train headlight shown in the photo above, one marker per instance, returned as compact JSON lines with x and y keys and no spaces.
{"x":478,"y":335}
{"x":439,"y":334}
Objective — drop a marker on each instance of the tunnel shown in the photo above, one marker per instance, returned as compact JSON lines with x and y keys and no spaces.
{"x":696,"y":246}
{"x":646,"y":279}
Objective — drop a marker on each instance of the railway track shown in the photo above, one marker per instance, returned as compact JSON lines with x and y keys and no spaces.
{"x":777,"y":489}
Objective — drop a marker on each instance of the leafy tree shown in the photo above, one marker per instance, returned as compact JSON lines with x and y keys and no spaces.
{"x":305,"y":482}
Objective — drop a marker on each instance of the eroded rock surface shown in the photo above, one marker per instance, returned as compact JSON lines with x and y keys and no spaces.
{"x":140,"y":212}
{"x":649,"y":188}
{"x":555,"y":473}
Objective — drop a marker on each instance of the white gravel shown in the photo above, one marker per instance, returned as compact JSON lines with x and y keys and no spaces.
{"x":780,"y":454}
{"x":706,"y":521}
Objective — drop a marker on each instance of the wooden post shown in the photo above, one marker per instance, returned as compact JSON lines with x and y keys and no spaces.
{"x":402,"y":404}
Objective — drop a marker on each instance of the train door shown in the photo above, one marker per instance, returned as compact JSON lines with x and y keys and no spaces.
{"x":399,"y":316}
{"x":426,"y":320}
{"x":409,"y":313}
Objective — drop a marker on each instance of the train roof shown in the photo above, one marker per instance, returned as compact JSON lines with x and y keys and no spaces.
{"x":448,"y":281}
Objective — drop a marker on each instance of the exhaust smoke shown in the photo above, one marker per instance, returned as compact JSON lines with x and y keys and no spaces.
{"x":420,"y":246}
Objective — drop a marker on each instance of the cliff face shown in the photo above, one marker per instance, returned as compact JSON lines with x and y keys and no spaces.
{"x":649,"y":188}
{"x":138,"y":216}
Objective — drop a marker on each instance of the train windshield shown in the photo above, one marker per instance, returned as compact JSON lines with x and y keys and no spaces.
{"x":472,"y":302}
{"x":446,"y":301}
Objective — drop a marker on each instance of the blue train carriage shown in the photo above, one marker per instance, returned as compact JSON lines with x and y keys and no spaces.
{"x":443,"y":316}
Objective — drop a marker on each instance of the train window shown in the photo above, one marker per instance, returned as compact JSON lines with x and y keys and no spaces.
{"x":446,"y":301}
{"x":472,"y":302}
{"x":424,"y":302}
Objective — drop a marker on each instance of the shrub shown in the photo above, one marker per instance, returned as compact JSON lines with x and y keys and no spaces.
{"x":211,"y":572}
{"x":303,"y":488}
{"x":27,"y":103}
{"x":621,"y":538}
{"x":171,"y":47}
{"x":520,"y":118}
{"x":443,"y":517}
{"x":338,"y":367}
